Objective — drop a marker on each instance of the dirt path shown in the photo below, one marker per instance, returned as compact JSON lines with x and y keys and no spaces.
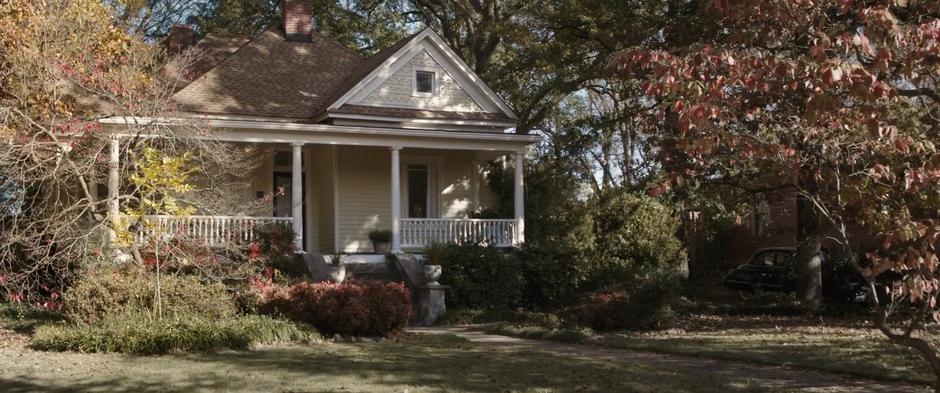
{"x":783,"y":378}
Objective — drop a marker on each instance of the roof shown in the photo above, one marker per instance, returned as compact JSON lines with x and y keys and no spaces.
{"x":272,"y":77}
{"x":269,"y":76}
{"x":383,"y":111}
{"x":366,"y":67}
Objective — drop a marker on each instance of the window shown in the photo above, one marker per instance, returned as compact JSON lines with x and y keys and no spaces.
{"x":760,"y":218}
{"x":418,"y":191}
{"x":424,"y":82}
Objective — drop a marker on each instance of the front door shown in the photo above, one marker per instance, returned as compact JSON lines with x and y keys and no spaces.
{"x":283,"y":200}
{"x":418,"y":191}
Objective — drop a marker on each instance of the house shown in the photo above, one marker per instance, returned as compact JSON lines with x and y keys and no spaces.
{"x":396,"y":140}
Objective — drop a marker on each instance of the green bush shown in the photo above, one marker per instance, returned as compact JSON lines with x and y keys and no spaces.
{"x":141,"y":334}
{"x":380,"y":235}
{"x":24,"y":318}
{"x":554,"y":274}
{"x":469,"y":316}
{"x":483,"y":277}
{"x":98,"y":294}
{"x":634,"y":237}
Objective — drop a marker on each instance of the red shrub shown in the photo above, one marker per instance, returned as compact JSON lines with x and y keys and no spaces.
{"x":357,"y":308}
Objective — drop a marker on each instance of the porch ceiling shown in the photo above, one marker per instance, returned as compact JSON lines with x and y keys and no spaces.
{"x":294,"y":133}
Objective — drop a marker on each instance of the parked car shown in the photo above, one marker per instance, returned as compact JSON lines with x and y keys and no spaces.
{"x":774,"y":269}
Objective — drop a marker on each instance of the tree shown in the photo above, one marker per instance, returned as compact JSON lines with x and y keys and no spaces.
{"x":64,"y":65}
{"x":837,"y":100}
{"x":366,"y":26}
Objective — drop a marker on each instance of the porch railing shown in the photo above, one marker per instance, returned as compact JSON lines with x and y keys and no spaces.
{"x":422,"y":232}
{"x":210,"y":230}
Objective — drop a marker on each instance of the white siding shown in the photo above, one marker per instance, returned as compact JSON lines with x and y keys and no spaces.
{"x":364,"y":201}
{"x":397,"y":90}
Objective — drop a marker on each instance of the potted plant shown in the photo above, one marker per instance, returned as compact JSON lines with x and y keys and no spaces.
{"x":381,"y":239}
{"x":336,"y":268}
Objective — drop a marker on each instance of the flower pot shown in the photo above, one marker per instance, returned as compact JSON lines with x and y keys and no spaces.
{"x":336,"y":272}
{"x":432,"y":273}
{"x":381,"y":247}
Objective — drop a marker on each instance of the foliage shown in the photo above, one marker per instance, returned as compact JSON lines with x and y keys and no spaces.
{"x":356,"y":308}
{"x":479,"y":276}
{"x":380,"y":235}
{"x":634,"y":237}
{"x":275,"y":247}
{"x":469,"y":316}
{"x":365,"y":26}
{"x":642,"y":306}
{"x":99,"y":294}
{"x":554,"y":273}
{"x":63,"y":66}
{"x":835,"y":100}
{"x":24,"y":318}
{"x":140,"y":333}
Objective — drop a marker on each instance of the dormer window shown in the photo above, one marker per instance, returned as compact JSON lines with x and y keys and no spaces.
{"x":424,"y":82}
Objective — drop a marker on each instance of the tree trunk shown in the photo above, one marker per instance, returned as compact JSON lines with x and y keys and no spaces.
{"x":809,"y":255}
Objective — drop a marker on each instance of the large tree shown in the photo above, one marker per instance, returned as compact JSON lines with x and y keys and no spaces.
{"x":63,"y":66}
{"x":836,"y":100}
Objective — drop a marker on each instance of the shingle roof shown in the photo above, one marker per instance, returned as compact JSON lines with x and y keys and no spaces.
{"x":367,"y":66}
{"x":270,"y":76}
{"x":418,"y":113}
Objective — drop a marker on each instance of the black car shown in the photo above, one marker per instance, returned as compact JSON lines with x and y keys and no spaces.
{"x":774,"y":269}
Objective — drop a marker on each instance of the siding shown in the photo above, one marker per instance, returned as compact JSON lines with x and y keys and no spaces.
{"x":364,"y":202}
{"x":323,"y":188}
{"x":397,"y":89}
{"x":364,"y":181}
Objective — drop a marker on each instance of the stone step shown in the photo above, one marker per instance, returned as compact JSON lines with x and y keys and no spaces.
{"x":378,"y":271}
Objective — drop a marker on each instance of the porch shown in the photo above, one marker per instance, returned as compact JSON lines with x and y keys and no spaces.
{"x":334,"y":184}
{"x":416,"y":233}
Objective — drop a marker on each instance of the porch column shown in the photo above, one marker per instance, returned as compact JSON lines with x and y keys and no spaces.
{"x":297,"y":195}
{"x":114,"y":184}
{"x":396,"y":199}
{"x":519,"y":196}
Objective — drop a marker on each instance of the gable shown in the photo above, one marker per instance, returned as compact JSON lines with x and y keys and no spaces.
{"x":398,"y":89}
{"x":391,"y":83}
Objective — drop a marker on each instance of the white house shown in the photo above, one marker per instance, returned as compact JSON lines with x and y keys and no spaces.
{"x":391,"y":141}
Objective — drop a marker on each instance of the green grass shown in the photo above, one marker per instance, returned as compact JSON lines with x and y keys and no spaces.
{"x":138,"y":333}
{"x":416,"y":364}
{"x":24,"y":319}
{"x":853,"y":351}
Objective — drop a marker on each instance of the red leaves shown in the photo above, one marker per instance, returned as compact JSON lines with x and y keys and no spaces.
{"x":831,"y":75}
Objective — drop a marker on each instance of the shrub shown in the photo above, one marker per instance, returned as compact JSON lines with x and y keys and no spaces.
{"x":139,"y":333}
{"x":646,"y":306}
{"x":635,"y":236}
{"x":380,"y":235}
{"x":469,"y":316}
{"x":480,"y":276}
{"x":101,"y":293}
{"x":353,"y":308}
{"x":554,"y":274}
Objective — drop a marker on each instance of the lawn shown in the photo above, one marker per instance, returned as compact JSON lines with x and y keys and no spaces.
{"x":829,"y":345}
{"x":420,"y":363}
{"x":410,"y":363}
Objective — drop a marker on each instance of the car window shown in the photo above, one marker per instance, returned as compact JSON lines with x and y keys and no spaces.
{"x":765,"y":259}
{"x":772,"y":259}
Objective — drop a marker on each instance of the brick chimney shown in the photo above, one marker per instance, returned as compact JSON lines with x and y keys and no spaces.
{"x":180,"y":37}
{"x":297,"y":19}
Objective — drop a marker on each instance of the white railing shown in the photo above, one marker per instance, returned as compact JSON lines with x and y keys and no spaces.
{"x":422,"y":232}
{"x":208,"y":230}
